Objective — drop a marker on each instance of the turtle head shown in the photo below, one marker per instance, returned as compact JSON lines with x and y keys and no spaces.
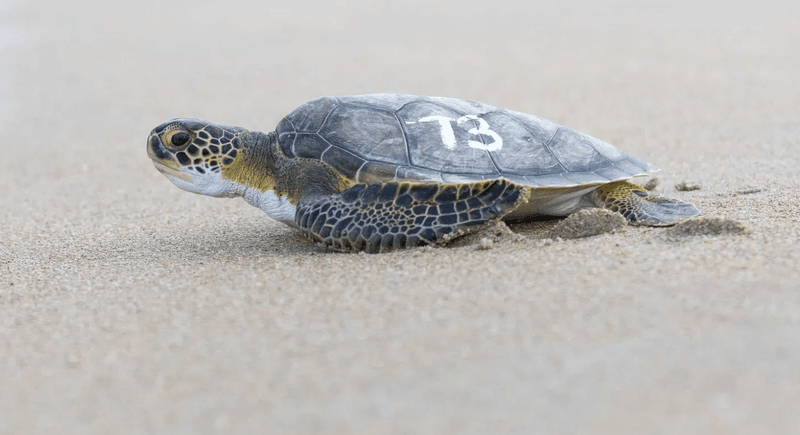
{"x":193,"y":153}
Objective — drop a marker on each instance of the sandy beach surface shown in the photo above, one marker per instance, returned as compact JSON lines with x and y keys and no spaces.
{"x":129,"y":306}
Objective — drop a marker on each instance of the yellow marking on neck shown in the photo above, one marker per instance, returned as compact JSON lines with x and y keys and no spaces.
{"x":247,"y":175}
{"x":295,"y":174}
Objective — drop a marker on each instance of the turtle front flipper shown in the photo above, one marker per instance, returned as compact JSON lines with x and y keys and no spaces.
{"x":641,"y":207}
{"x":384,"y":216}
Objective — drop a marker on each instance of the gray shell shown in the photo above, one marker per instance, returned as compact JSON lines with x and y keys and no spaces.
{"x":393,"y":136}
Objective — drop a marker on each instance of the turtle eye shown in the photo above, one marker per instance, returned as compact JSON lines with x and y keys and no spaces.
{"x":179,"y":139}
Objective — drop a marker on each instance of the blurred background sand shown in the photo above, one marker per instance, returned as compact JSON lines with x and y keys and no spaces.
{"x":129,"y":306}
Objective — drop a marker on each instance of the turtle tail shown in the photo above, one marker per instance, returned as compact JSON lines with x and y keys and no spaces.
{"x":640,"y":207}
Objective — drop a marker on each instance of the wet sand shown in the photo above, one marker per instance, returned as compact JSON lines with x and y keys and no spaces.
{"x":129,"y":306}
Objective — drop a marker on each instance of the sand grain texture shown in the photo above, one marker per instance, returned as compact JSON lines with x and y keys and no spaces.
{"x":129,"y":306}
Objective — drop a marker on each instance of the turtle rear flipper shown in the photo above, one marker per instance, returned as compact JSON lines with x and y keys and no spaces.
{"x":384,"y":216}
{"x":641,"y":207}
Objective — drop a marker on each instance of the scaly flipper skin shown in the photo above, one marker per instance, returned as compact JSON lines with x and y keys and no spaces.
{"x":640,"y":207}
{"x":384,"y":216}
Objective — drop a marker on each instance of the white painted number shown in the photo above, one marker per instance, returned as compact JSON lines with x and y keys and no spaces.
{"x":449,"y":136}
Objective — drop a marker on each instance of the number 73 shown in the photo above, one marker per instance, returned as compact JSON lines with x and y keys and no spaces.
{"x":449,"y":136}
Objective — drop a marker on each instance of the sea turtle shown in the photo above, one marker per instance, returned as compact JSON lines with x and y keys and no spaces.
{"x":384,"y":171}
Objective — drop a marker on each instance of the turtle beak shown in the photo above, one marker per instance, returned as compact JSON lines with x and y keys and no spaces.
{"x":171,"y":172}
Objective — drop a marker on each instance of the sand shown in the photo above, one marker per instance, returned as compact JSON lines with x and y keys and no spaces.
{"x":129,"y":306}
